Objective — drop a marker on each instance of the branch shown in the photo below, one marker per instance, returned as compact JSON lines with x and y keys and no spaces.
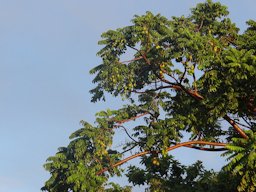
{"x":127,"y":120}
{"x":235,"y":126}
{"x":163,"y":79}
{"x":192,"y":93}
{"x":194,"y":77}
{"x":143,"y":55}
{"x":198,"y":97}
{"x":129,"y":135}
{"x":168,"y":149}
{"x":203,"y":148}
{"x":200,"y":26}
{"x":242,"y":124}
{"x":176,"y":87}
{"x":148,"y":62}
{"x":206,"y":149}
{"x":135,"y":59}
{"x":129,"y":149}
{"x":183,"y":75}
{"x":248,"y":123}
{"x":170,"y":75}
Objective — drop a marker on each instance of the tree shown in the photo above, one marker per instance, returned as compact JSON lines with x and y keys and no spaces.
{"x":186,"y":76}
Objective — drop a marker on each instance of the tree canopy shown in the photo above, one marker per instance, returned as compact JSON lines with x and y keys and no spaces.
{"x":184,"y":76}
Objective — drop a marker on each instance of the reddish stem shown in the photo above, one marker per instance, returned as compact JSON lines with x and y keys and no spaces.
{"x":235,"y":126}
{"x":132,"y":118}
{"x":168,"y":149}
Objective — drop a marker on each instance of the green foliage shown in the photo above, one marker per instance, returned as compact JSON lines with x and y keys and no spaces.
{"x":118,"y":188}
{"x":186,"y":75}
{"x":242,"y":156}
{"x":170,"y":175}
{"x":75,"y":167}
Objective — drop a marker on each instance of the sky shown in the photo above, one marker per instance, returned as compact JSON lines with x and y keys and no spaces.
{"x":46,"y":50}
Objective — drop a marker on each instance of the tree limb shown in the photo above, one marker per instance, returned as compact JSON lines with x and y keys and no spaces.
{"x":127,"y":120}
{"x":168,"y":149}
{"x":203,"y":148}
{"x":235,"y":126}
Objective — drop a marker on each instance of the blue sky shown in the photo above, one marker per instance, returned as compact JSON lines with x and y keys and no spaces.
{"x":46,"y":50}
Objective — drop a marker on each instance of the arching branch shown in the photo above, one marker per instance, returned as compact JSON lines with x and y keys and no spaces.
{"x":207,"y":149}
{"x":204,"y":148}
{"x":168,"y":149}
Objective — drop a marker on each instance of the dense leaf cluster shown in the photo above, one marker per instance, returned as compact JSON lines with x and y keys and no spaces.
{"x":169,"y":175}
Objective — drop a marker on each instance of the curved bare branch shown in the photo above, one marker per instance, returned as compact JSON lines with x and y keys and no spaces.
{"x":168,"y":149}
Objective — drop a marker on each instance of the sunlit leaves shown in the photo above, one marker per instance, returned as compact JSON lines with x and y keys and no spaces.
{"x":242,"y":156}
{"x":178,"y":75}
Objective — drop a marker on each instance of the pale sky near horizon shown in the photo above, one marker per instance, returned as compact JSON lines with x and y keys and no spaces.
{"x":47,"y":48}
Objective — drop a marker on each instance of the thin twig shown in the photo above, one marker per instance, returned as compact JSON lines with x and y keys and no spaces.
{"x":129,"y":149}
{"x":194,"y":78}
{"x":129,"y":135}
{"x":247,"y":121}
{"x":183,"y":75}
{"x":242,"y":124}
